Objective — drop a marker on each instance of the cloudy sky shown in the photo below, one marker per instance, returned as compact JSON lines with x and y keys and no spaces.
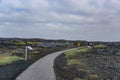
{"x":61,"y":19}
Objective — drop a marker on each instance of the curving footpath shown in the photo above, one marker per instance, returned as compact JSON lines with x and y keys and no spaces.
{"x":42,"y":69}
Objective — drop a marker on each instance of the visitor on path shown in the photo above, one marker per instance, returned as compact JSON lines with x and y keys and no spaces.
{"x":90,"y":44}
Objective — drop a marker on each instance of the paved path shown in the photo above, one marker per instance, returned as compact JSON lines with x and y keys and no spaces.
{"x":42,"y":69}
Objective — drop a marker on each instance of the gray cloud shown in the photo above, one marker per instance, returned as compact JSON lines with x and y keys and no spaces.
{"x":63,"y":19}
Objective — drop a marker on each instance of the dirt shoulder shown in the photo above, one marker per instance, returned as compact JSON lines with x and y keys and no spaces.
{"x":96,"y":64}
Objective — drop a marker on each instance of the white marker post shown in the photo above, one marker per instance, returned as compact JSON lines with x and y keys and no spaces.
{"x":26,"y":52}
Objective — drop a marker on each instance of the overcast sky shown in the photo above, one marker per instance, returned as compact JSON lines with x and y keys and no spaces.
{"x":61,"y":19}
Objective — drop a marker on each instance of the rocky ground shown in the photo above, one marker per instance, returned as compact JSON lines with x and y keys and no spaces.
{"x":97,"y":64}
{"x":106,"y":61}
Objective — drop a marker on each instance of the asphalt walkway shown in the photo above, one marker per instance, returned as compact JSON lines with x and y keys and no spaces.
{"x":42,"y":69}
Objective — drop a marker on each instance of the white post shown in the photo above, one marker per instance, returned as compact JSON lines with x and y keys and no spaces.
{"x":26,"y":55}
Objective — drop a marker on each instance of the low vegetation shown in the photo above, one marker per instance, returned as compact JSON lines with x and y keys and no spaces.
{"x":6,"y":59}
{"x":71,"y":56}
{"x":28,"y":43}
{"x":78,"y":64}
{"x":74,"y":52}
{"x":99,"y":46}
{"x":102,"y":62}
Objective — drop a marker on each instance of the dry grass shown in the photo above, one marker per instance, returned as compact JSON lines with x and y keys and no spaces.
{"x":100,"y":46}
{"x":75,"y":58}
{"x":93,"y":77}
{"x":6,"y":59}
{"x":70,"y":56}
{"x":73,"y":62}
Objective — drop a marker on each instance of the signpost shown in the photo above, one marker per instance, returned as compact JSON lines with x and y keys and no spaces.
{"x":78,"y":44}
{"x":26,"y":52}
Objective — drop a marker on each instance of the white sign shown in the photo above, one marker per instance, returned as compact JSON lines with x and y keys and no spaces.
{"x":29,"y":47}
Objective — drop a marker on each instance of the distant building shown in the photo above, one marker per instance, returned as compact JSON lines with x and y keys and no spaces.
{"x":47,"y":44}
{"x":54,"y":44}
